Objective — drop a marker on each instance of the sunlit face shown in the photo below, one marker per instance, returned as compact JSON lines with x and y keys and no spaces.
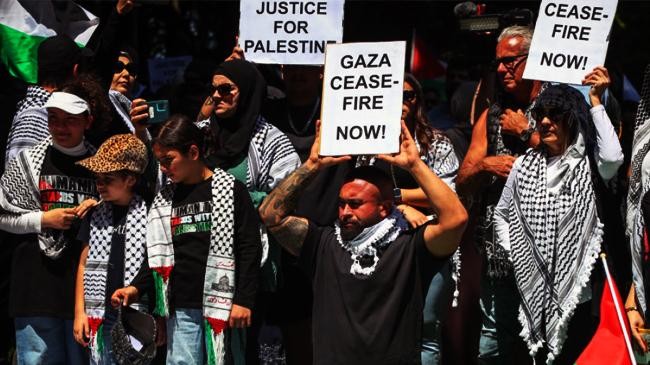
{"x":554,"y":132}
{"x":511,"y":62}
{"x":225,"y":95}
{"x":123,"y":76}
{"x":409,"y":101}
{"x":115,"y":187}
{"x":360,"y":206}
{"x":176,"y":165}
{"x":67,"y":130}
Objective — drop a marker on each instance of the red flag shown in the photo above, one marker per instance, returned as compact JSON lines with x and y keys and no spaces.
{"x":425,"y":65}
{"x":608,"y":346}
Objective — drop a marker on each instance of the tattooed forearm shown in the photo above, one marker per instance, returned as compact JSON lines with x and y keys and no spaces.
{"x":283,"y":199}
{"x":291,"y":233}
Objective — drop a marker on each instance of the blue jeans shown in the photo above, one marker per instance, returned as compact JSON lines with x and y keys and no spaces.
{"x":47,"y":340}
{"x":435,"y":308}
{"x":186,"y":339}
{"x":500,"y":341}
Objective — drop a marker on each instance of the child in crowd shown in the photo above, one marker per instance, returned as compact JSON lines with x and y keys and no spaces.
{"x":113,"y":236}
{"x":41,"y":198}
{"x":204,"y":250}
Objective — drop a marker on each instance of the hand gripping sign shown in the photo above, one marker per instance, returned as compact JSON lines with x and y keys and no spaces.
{"x":362,"y":98}
{"x":570,"y":39}
{"x":289,"y":32}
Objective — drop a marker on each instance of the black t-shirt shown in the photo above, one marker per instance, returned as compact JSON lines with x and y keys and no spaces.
{"x":41,"y":286}
{"x":377,"y":320}
{"x":191,"y":224}
{"x":115,"y":270}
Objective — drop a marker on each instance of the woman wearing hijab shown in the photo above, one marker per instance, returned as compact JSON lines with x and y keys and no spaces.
{"x":244,"y":144}
{"x":548,"y":218}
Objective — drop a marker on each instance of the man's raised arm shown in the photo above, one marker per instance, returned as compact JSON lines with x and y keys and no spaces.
{"x":443,"y":238}
{"x":290,"y":231}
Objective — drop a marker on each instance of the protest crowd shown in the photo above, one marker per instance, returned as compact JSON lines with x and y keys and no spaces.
{"x":307,"y":200}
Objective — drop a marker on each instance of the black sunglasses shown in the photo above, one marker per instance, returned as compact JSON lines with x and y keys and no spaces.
{"x":222,"y":89}
{"x":554,"y":114}
{"x":509,"y":61}
{"x":408,"y":95}
{"x":130,"y":67}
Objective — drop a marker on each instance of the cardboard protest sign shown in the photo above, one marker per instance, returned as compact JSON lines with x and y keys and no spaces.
{"x":289,"y":32}
{"x":362,"y":98}
{"x":570,"y":39}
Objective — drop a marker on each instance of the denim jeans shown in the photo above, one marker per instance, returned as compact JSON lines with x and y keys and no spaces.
{"x":435,"y":308}
{"x":500,"y":341}
{"x":185,"y":337}
{"x":47,"y":340}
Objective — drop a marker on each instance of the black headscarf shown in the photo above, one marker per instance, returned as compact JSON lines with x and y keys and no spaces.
{"x":232,"y":136}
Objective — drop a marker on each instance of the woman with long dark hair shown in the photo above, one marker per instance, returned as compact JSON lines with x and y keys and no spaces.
{"x":548,"y":218}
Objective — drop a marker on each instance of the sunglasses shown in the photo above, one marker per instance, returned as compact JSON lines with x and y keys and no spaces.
{"x":553,"y":114}
{"x":408,"y":95}
{"x":509,"y":62}
{"x":223,"y":89}
{"x":130,"y":67}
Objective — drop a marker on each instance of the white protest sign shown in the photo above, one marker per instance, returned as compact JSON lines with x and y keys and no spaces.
{"x":570,"y":39}
{"x":289,"y":32}
{"x":362,"y":98}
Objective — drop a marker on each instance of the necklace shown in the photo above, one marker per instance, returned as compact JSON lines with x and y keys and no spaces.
{"x":309,"y":121}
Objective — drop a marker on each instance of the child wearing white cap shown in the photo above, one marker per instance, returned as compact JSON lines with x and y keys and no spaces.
{"x":41,"y":195}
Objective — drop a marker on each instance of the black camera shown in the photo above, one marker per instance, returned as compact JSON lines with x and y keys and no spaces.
{"x":472,"y":18}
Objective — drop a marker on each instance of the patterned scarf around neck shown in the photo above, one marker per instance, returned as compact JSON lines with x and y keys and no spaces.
{"x":95,"y":274}
{"x":219,"y":282}
{"x":20,"y":193}
{"x":639,"y":183}
{"x":555,"y":242}
{"x":372,"y":238}
{"x":122,"y":105}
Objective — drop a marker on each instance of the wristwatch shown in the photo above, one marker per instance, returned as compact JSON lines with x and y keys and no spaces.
{"x":397,"y":195}
{"x":525,"y":135}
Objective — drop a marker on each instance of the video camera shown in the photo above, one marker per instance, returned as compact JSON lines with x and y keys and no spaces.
{"x":472,"y":17}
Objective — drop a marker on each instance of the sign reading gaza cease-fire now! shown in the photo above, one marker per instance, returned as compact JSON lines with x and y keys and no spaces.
{"x":362,"y":98}
{"x":570,"y":39}
{"x":289,"y":32}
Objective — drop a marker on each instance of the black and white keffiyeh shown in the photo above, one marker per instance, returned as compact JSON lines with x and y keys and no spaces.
{"x":555,"y":240}
{"x":20,"y":193}
{"x":638,"y":186}
{"x":96,"y":270}
{"x":122,"y":105}
{"x":219,"y":283}
{"x":365,"y":245}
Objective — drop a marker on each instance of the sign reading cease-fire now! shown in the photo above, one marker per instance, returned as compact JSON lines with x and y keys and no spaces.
{"x":289,"y":32}
{"x":362,"y":98}
{"x":570,"y":39}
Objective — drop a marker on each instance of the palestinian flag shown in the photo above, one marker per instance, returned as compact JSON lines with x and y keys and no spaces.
{"x":611,"y":342}
{"x":24,"y":24}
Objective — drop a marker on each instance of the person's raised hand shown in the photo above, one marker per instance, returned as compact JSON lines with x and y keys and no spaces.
{"x":636,"y":322}
{"x":139,"y":113}
{"x":499,"y":166}
{"x":513,"y":122}
{"x":59,"y":218}
{"x":240,"y":317}
{"x":599,"y":81}
{"x":316,"y":160}
{"x":408,"y":154}
{"x":124,"y":296}
{"x":237,"y":52}
{"x":124,"y":6}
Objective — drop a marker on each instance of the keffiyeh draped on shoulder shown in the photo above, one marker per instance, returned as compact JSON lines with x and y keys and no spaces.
{"x":639,"y":183}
